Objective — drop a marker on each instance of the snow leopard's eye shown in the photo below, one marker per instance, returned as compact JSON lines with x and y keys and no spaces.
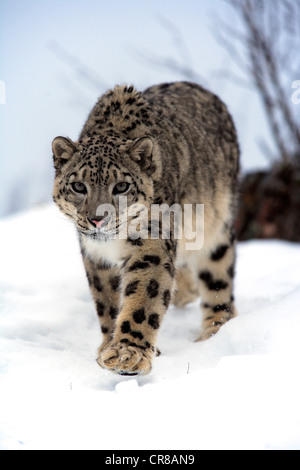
{"x":79,"y":188}
{"x":121,"y":188}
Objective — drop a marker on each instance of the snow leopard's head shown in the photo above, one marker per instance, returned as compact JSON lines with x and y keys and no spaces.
{"x":93,"y":173}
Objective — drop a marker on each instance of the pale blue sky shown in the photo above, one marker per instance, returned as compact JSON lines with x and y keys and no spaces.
{"x":45,"y":46}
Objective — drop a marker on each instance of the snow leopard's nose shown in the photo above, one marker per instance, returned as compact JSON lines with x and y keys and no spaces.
{"x":99,"y":221}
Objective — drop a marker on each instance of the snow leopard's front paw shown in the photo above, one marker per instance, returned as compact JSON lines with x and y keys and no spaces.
{"x":124,"y":359}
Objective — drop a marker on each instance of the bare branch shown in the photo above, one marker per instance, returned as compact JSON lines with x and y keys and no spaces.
{"x":178,"y":40}
{"x":183,"y":66}
{"x":270,"y":42}
{"x":227,"y":75}
{"x":81,"y":70}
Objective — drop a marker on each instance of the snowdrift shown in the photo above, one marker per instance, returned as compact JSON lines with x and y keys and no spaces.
{"x":238,"y":390}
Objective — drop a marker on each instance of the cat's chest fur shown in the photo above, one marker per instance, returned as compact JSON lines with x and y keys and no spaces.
{"x":110,"y":251}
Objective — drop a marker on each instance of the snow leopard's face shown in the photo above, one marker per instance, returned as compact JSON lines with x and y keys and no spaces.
{"x":98,"y":180}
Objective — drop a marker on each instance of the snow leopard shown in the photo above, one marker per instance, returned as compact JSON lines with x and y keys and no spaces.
{"x":172,"y":145}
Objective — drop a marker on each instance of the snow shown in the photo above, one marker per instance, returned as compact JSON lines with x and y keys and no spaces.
{"x":239,"y":390}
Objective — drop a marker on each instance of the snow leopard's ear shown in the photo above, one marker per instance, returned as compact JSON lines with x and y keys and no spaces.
{"x":63,"y":148}
{"x":141,"y":152}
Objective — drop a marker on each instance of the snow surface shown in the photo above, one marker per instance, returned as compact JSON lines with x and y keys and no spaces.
{"x":239,"y":390}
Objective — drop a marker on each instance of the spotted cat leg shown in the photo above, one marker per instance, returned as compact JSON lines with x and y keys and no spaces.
{"x":148,"y":276}
{"x":216,"y":273}
{"x":104,"y":281}
{"x":187,"y":289}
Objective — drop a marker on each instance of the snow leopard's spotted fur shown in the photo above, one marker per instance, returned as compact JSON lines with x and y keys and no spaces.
{"x":174,"y":143}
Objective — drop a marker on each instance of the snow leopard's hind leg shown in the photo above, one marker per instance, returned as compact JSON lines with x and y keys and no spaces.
{"x":215,"y":274}
{"x":186,"y":287}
